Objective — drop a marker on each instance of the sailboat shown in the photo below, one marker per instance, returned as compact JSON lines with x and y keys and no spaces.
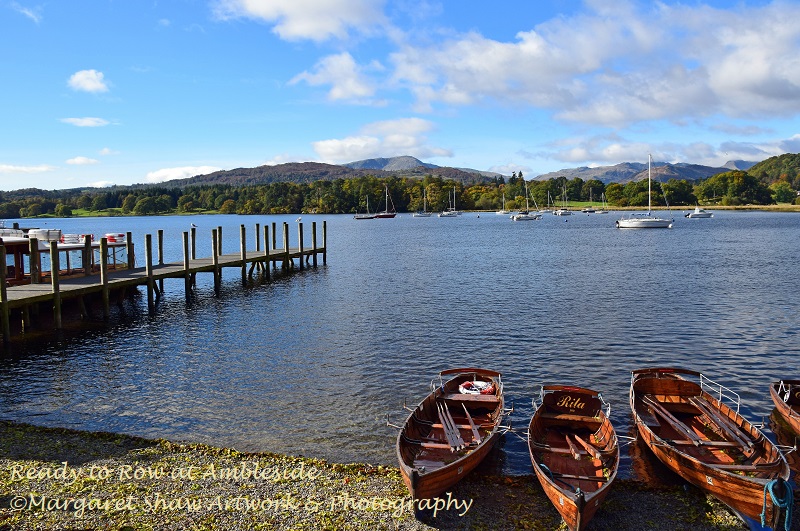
{"x":386,"y":213}
{"x":526,"y":215}
{"x":367,"y":215}
{"x":424,"y":212}
{"x":563,"y":211}
{"x":547,"y":210}
{"x":645,"y":221}
{"x":604,"y":208}
{"x":450,"y":212}
{"x":503,"y":211}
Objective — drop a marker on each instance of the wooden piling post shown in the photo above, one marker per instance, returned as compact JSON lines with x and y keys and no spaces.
{"x":266,"y":250}
{"x":129,"y":250}
{"x":219,"y":240}
{"x":148,"y":264}
{"x":54,"y":269}
{"x":35,"y":261}
{"x":286,"y":245}
{"x":324,"y":242}
{"x":104,"y":276}
{"x":86,"y":255}
{"x":187,"y":277}
{"x":274,"y":236}
{"x":161,"y":258}
{"x":4,"y":318}
{"x":300,"y":243}
{"x":314,"y":242}
{"x":215,"y":259}
{"x":243,"y":251}
{"x":194,"y":252}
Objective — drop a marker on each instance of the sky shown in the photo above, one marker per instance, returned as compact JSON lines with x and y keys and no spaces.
{"x":104,"y":92}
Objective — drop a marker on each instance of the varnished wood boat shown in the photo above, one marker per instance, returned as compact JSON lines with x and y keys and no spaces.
{"x":574,"y":451}
{"x":786,"y":396}
{"x":450,"y":432}
{"x":685,"y":419}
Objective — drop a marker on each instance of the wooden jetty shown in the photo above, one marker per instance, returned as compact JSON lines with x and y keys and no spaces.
{"x":104,"y":275}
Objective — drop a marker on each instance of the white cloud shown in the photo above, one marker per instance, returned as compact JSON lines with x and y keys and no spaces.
{"x":347,"y":79}
{"x":86,"y":122}
{"x":508,"y":169}
{"x":606,"y":150}
{"x":88,"y":81}
{"x":183,"y":172}
{"x":382,"y":139}
{"x":316,"y":20}
{"x":41,"y":168}
{"x":82,"y":161}
{"x":108,"y":151}
{"x":614,"y":67}
{"x":101,"y":184}
{"x":35,"y":14}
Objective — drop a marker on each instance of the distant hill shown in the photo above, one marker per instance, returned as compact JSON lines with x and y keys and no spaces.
{"x":307,"y":172}
{"x":407,"y":163}
{"x":743,"y":165}
{"x":786,"y":167}
{"x":411,"y":167}
{"x":390,"y":164}
{"x":626,"y":172}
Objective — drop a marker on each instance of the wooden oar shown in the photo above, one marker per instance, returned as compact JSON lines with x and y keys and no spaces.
{"x":572,"y":448}
{"x":476,"y":436}
{"x":450,"y":431}
{"x":589,"y":447}
{"x":724,"y":423}
{"x":666,"y":415}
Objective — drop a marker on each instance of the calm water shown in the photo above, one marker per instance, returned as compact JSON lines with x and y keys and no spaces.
{"x":311,"y":363}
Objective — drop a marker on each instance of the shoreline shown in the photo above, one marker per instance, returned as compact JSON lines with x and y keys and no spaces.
{"x":55,"y":478}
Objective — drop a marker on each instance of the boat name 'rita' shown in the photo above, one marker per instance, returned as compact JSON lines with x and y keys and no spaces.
{"x":571,"y":403}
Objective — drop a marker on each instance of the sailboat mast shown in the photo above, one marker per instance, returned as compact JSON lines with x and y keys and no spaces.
{"x":649,"y":206}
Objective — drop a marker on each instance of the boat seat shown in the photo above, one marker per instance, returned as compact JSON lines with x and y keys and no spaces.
{"x":568,"y":416}
{"x":488,"y":400}
{"x":583,"y":478}
{"x":649,"y":420}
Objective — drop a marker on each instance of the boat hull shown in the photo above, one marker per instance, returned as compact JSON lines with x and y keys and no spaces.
{"x":744,"y":491}
{"x":787,"y":401}
{"x":575,"y":482}
{"x":644,"y":223}
{"x":427,"y":464}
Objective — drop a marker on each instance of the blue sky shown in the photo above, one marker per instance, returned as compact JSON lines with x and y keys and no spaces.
{"x":122,"y":91}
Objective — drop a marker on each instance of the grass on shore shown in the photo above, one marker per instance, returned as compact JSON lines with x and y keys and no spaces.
{"x":113,"y":481}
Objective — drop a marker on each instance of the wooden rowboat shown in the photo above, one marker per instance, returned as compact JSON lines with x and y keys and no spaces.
{"x":786,"y":396}
{"x":574,"y":451}
{"x":684,"y":419}
{"x":450,"y":432}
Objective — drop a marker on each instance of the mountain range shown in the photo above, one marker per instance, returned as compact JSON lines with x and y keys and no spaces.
{"x":406,"y":166}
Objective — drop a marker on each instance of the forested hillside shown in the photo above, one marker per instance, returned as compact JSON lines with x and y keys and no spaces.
{"x":321,"y":190}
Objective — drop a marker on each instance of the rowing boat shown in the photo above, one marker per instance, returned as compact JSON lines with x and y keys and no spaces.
{"x":450,"y":432}
{"x":786,"y":396}
{"x":694,"y":427}
{"x":574,"y":451}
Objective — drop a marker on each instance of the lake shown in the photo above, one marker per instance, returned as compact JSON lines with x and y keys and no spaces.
{"x":311,"y":363}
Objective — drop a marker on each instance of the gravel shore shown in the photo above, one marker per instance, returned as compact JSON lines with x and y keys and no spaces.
{"x":66,"y":480}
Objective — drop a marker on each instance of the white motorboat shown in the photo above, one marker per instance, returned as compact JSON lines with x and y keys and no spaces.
{"x":699,"y":213}
{"x":648,"y":220}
